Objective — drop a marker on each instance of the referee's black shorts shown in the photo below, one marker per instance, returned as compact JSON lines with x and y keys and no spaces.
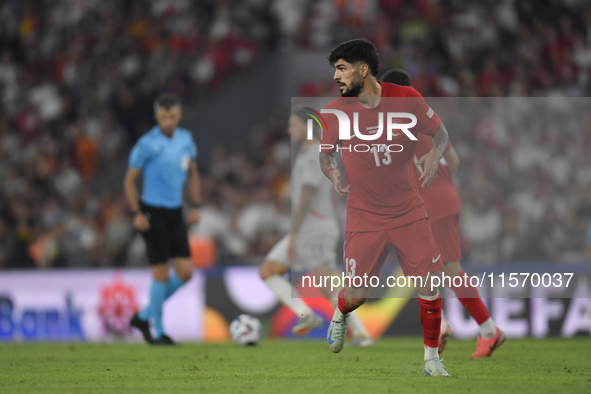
{"x":167,"y":236}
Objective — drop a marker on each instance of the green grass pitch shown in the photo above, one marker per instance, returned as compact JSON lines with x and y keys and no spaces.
{"x":277,"y":366}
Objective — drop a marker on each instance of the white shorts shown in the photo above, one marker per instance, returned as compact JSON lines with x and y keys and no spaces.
{"x":311,"y":253}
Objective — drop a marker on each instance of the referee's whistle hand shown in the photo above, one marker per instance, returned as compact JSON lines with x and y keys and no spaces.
{"x":194,"y":216}
{"x":141,"y":222}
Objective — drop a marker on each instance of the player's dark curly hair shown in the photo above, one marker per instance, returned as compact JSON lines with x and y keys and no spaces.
{"x":167,"y":101}
{"x":358,"y":50}
{"x":397,"y":76}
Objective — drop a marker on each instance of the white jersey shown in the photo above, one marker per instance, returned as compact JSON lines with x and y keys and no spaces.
{"x":321,"y":215}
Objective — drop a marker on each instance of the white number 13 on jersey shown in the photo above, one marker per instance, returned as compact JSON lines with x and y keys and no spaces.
{"x":383,"y":148}
{"x":350,"y":265}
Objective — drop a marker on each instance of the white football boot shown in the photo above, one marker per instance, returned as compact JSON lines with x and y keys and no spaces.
{"x":307,"y":323}
{"x":337,"y":331}
{"x":433,"y":367}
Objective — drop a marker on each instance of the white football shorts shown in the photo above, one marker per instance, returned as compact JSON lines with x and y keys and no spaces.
{"x":311,"y":253}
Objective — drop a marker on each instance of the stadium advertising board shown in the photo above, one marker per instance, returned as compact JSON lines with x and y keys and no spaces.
{"x":523,"y":311}
{"x":90,"y":305}
{"x":95,"y":306}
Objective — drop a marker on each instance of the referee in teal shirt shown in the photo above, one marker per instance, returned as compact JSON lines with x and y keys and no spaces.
{"x":163,"y":158}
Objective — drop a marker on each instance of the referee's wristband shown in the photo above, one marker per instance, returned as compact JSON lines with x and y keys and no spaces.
{"x":195,"y":205}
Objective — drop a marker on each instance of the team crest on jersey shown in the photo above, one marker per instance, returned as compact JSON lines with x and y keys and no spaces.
{"x":185,"y":161}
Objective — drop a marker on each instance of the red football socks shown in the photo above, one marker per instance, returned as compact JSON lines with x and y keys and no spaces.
{"x":343,"y":307}
{"x":431,"y":320}
{"x":470,"y":299}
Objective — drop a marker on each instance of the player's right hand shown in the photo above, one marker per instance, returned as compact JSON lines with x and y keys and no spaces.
{"x":431,"y":160}
{"x":141,"y":222}
{"x":335,"y":177}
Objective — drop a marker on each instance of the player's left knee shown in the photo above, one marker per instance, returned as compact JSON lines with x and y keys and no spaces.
{"x":265,"y":271}
{"x":271,"y":268}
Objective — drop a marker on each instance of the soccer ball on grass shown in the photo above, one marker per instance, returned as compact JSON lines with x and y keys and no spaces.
{"x":246,"y":330}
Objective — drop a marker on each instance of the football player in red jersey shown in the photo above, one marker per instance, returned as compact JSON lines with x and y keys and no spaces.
{"x":384,"y":207}
{"x":443,"y":205}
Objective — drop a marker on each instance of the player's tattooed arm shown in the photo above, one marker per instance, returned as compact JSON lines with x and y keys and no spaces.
{"x":329,"y":163}
{"x":431,"y":159}
{"x":327,"y":160}
{"x":441,"y":139}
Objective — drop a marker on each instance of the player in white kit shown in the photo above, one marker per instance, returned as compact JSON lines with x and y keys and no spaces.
{"x":315,"y":232}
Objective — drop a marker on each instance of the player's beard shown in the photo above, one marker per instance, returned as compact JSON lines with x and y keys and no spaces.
{"x":354,"y":89}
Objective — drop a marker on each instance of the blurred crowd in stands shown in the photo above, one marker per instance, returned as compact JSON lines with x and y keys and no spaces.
{"x":77,"y":82}
{"x":78,"y":77}
{"x":525,"y":177}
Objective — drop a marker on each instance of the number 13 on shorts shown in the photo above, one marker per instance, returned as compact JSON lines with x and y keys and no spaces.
{"x":350,"y":265}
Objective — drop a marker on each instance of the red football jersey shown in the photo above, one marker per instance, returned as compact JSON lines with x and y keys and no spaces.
{"x":383,"y":192}
{"x":441,"y":197}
